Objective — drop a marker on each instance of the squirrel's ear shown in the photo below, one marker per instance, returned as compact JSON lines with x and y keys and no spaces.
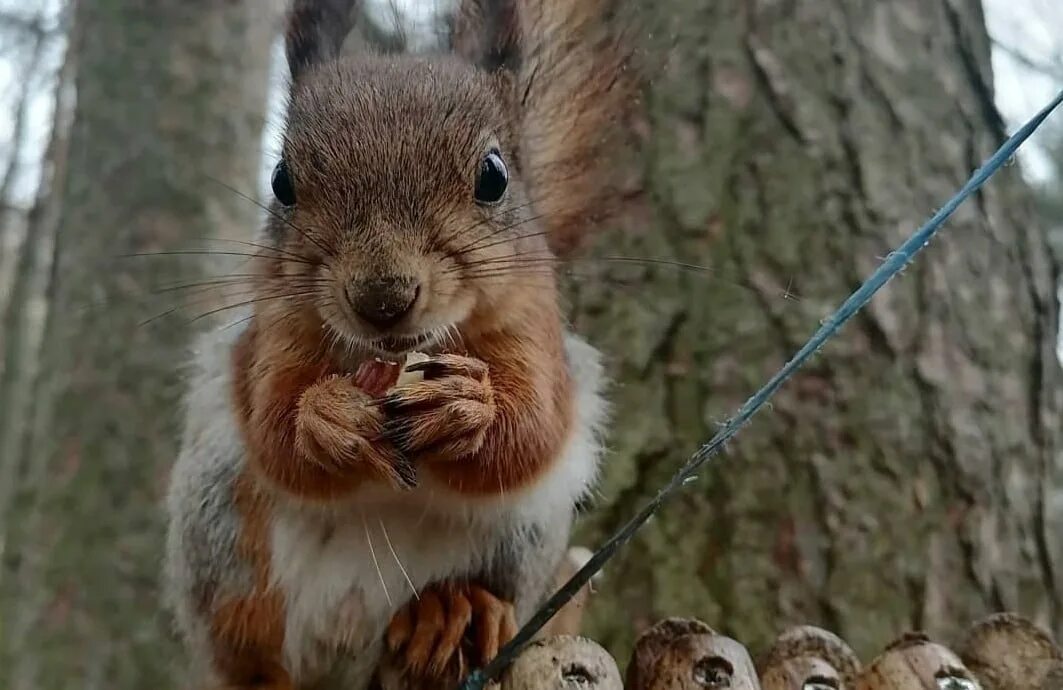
{"x":488,"y":34}
{"x":316,"y":31}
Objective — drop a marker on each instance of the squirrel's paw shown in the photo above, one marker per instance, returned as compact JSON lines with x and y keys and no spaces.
{"x":427,"y":635}
{"x":339,"y":429}
{"x":445,"y":416}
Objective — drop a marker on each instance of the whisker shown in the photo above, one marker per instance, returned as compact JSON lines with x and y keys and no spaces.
{"x":376,"y":564}
{"x":509,"y":280}
{"x":273,"y":322}
{"x":539,"y":233}
{"x":210,"y":252}
{"x":179,"y":307}
{"x":238,"y":279}
{"x":652,"y":261}
{"x":209,"y":293}
{"x":199,"y":293}
{"x":238,"y":322}
{"x":256,"y":245}
{"x":515,"y":259}
{"x":484,"y":221}
{"x":394,"y":555}
{"x":476,"y":244}
{"x":502,"y":273}
{"x":253,"y":301}
{"x":520,"y":259}
{"x":194,"y":252}
{"x":274,"y":214}
{"x":493,"y":233}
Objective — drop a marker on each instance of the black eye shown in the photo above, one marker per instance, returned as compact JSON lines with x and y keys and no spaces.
{"x":492,"y":180}
{"x":283,"y":188}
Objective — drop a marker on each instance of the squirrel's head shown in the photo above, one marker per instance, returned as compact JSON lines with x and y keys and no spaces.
{"x":400,"y":211}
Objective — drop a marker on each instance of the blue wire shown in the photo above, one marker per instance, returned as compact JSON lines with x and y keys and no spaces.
{"x":891,"y":266}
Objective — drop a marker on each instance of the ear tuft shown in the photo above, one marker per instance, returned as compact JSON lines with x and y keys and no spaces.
{"x":316,"y":32}
{"x":488,"y":33}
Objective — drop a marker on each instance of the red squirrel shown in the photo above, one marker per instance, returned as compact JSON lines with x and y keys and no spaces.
{"x":324,"y":511}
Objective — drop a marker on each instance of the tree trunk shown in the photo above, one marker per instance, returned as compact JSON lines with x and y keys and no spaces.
{"x":23,"y":323}
{"x":910,"y":476}
{"x":12,"y":215}
{"x":170,"y":98}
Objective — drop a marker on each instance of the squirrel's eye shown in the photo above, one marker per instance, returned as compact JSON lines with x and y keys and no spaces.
{"x":283,"y":188}
{"x":492,"y":180}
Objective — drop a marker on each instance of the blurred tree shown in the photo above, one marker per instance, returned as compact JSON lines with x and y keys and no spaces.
{"x":170,"y":94}
{"x":12,"y":214}
{"x":23,"y":322}
{"x":910,"y":475}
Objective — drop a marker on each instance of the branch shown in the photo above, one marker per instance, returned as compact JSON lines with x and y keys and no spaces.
{"x":1052,"y":68}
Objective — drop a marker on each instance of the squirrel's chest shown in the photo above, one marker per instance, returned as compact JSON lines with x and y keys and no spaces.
{"x":343,"y":575}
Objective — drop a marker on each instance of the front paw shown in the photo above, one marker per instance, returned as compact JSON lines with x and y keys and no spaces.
{"x":445,"y":416}
{"x":339,"y":429}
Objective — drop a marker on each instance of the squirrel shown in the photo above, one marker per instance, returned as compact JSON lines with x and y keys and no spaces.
{"x":332,"y":503}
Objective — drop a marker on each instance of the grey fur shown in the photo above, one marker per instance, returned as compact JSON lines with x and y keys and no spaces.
{"x":201,"y":560}
{"x":525,"y":564}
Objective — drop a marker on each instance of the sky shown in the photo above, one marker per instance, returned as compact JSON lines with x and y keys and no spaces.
{"x":1031,"y":27}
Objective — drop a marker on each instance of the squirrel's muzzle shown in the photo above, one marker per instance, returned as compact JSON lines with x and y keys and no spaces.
{"x":383,"y":302}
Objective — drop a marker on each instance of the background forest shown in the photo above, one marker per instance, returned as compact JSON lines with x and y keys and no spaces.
{"x":910,"y":477}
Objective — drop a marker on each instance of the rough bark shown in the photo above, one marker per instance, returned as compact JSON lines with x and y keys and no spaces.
{"x":910,"y":476}
{"x":170,"y":94}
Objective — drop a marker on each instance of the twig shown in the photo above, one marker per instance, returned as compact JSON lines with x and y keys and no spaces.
{"x":1049,"y":68}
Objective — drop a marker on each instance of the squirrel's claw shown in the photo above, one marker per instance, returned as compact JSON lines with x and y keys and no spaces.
{"x":451,"y":365}
{"x":427,"y":635}
{"x":441,"y":418}
{"x":495,"y":623}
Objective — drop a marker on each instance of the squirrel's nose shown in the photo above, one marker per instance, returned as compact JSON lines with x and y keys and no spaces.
{"x":383,"y":302}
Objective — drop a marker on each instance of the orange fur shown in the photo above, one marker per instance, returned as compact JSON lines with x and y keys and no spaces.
{"x":248,"y":631}
{"x":308,"y":428}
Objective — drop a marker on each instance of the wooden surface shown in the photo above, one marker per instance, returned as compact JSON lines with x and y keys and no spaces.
{"x":686,"y":654}
{"x":563,"y":662}
{"x":914,"y":662}
{"x":1008,"y":652}
{"x":809,"y":658}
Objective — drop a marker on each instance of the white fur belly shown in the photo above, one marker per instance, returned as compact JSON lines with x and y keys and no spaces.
{"x":345,"y":572}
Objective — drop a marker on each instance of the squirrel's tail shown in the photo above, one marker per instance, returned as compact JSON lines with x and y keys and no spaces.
{"x":577,"y":92}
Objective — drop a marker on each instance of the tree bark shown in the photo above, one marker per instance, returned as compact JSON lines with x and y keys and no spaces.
{"x":910,"y":476}
{"x":170,"y":98}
